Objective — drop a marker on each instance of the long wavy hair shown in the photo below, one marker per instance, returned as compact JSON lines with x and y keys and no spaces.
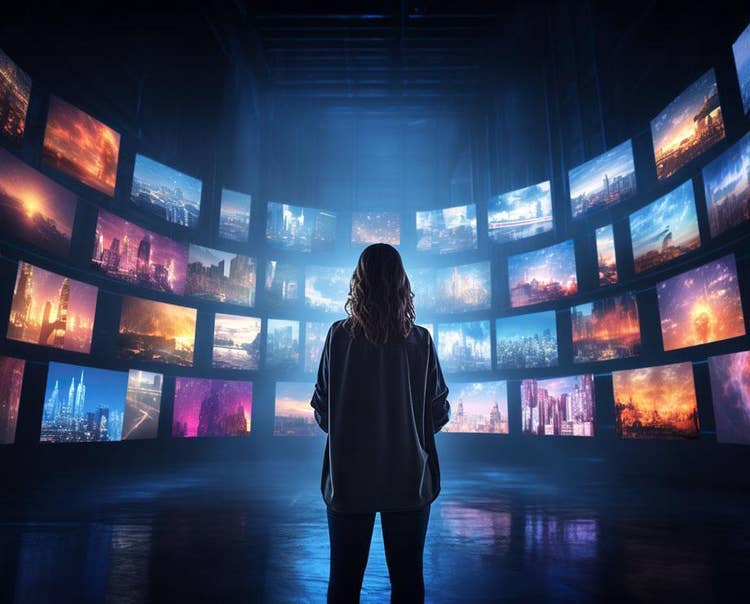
{"x":380,"y":303}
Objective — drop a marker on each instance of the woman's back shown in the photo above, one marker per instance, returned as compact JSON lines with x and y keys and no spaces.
{"x":380,"y":404}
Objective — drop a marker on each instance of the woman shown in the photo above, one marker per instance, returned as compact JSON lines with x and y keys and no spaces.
{"x":380,"y":396}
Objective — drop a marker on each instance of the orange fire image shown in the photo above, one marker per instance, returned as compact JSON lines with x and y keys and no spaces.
{"x":82,"y":147}
{"x":656,"y":402}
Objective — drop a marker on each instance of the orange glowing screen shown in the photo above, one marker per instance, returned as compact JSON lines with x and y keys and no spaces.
{"x":656,"y":402}
{"x":702,"y":305}
{"x":80,"y":146}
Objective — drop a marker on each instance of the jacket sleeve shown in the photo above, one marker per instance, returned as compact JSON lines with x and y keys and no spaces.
{"x":437,"y":391}
{"x":319,"y":400}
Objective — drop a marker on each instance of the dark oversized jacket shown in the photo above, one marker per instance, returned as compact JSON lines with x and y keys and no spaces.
{"x":381,"y":405}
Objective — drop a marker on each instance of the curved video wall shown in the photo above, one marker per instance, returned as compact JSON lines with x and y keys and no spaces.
{"x":156,"y":304}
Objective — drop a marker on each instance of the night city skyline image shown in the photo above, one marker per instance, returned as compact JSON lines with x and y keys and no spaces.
{"x":603,"y":181}
{"x":464,"y":287}
{"x":166,"y":192}
{"x":605,"y":329}
{"x":542,"y":275}
{"x":283,"y":283}
{"x":326,"y":287}
{"x":207,"y":407}
{"x":656,"y":402}
{"x":34,"y":208}
{"x":293,"y":415}
{"x":726,"y":182}
{"x":606,"y":255}
{"x":15,"y":91}
{"x":129,"y":253}
{"x":234,"y":215}
{"x":299,"y":228}
{"x":220,"y":276}
{"x":478,"y":407}
{"x":701,"y":305}
{"x":52,"y":310}
{"x":83,"y":404}
{"x":521,"y":213}
{"x":315,"y":337}
{"x":80,"y":146}
{"x":447,"y":230}
{"x":741,"y":52}
{"x":236,"y":342}
{"x":376,"y":227}
{"x":688,"y":126}
{"x":525,"y":341}
{"x":563,"y":406}
{"x":156,"y":332}
{"x":282,"y":344}
{"x":464,"y":346}
{"x":665,"y":229}
{"x":11,"y":377}
{"x":730,"y":391}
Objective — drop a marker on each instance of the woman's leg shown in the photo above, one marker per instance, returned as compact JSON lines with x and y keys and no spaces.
{"x":403,"y":537}
{"x":350,"y":536}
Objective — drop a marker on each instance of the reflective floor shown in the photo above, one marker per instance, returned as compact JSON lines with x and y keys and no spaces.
{"x":206,"y":533}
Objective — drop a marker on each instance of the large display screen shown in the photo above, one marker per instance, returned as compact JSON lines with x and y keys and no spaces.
{"x":603,"y":181}
{"x":464,"y":287}
{"x":665,"y":229}
{"x":293,"y":414}
{"x":83,"y":404}
{"x":11,"y":378}
{"x":315,"y":337}
{"x":236,"y":342}
{"x":156,"y":331}
{"x":80,"y":146}
{"x":87,"y":404}
{"x":465,"y":346}
{"x":526,"y":341}
{"x":234,"y":215}
{"x":300,"y":229}
{"x":478,"y":407}
{"x":282,"y":344}
{"x":33,"y":208}
{"x":220,"y":276}
{"x":15,"y":91}
{"x":142,"y":405}
{"x":656,"y":402}
{"x":447,"y":230}
{"x":542,"y":275}
{"x":741,"y":50}
{"x":165,"y":192}
{"x":327,"y":287}
{"x":283,"y":283}
{"x":51,"y":310}
{"x":688,"y":126}
{"x":701,"y":305}
{"x":726,"y":181}
{"x":562,"y":406}
{"x":606,"y":255}
{"x":730,"y":390}
{"x":519,"y":214}
{"x":205,"y":407}
{"x":127,"y":252}
{"x":376,"y":227}
{"x":605,"y":329}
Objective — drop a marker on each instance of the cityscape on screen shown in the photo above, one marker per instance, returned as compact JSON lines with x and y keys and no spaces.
{"x":115,"y":298}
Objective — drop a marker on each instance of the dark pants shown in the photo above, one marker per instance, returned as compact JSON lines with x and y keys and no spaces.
{"x":403,"y":538}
